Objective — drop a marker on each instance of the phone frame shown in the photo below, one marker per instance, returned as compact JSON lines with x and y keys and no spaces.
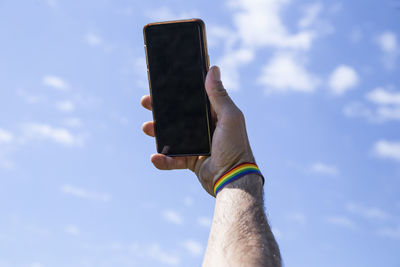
{"x":206,"y":60}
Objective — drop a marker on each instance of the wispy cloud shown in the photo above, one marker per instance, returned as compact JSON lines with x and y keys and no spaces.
{"x":93,"y":39}
{"x":383,"y":104}
{"x":52,"y":3}
{"x":188,"y":201}
{"x":277,"y":233}
{"x":341,"y":221}
{"x":204,"y":221}
{"x":323,"y":168}
{"x":387,"y":42}
{"x":65,"y":106}
{"x":285,"y":73}
{"x":391,"y":232}
{"x":55,"y":82}
{"x":85,"y":194}
{"x":172,"y":217}
{"x":44,"y":131}
{"x":310,"y":15}
{"x":6,"y":137}
{"x":30,"y":98}
{"x":342,"y":79}
{"x":297,"y":217}
{"x":371,"y":213}
{"x":382,"y":96}
{"x":162,"y":256}
{"x":193,"y":247}
{"x":72,"y":230}
{"x":387,"y":149}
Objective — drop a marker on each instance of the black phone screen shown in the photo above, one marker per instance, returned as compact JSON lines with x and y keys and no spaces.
{"x":177,"y":69}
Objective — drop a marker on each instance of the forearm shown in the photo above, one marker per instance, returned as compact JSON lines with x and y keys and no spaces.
{"x":240,"y":234}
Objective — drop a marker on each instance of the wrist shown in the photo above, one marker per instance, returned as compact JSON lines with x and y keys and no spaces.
{"x":246,"y":176}
{"x":251,"y":184}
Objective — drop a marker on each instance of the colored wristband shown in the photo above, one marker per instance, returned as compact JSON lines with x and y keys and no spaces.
{"x":234,"y":174}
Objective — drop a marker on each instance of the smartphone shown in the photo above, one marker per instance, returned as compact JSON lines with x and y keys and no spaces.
{"x":177,"y":65}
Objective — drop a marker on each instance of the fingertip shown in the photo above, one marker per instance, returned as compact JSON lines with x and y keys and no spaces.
{"x":142,"y":99}
{"x":148,"y":128}
{"x":158,"y":161}
{"x":145,"y":101}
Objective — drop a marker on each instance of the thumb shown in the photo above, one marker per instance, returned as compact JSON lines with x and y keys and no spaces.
{"x":216,"y":92}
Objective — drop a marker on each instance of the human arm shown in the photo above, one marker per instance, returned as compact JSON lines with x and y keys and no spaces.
{"x":240,"y":234}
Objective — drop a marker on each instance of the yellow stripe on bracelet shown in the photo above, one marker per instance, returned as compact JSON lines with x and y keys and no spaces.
{"x":234,"y":174}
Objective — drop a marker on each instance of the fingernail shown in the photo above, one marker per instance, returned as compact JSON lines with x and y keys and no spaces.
{"x":216,"y":73}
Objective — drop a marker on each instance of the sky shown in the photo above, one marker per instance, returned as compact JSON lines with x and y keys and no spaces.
{"x":318,"y":82}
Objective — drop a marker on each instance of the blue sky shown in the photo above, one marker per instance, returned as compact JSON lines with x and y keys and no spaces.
{"x":318,"y":83}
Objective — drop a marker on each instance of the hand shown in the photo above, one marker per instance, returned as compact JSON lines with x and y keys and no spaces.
{"x":230,"y":145}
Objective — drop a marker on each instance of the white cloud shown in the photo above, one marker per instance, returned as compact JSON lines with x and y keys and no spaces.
{"x":387,"y":106}
{"x":37,"y":264}
{"x":230,"y":64}
{"x":93,"y":39}
{"x":72,"y":230}
{"x":390,"y":232}
{"x":172,"y":217}
{"x":44,"y":131}
{"x":387,"y":149}
{"x":371,"y":213}
{"x":284,"y":73}
{"x":6,"y":137}
{"x":85,"y":194}
{"x":311,"y":13}
{"x":163,"y":257}
{"x":65,"y":106}
{"x":165,"y":13}
{"x":381,"y":96}
{"x":342,"y":79}
{"x":323,"y":168}
{"x":204,"y":221}
{"x":56,"y":82}
{"x":297,"y":217}
{"x":259,"y":24}
{"x":387,"y":41}
{"x":341,"y":221}
{"x":193,"y":247}
{"x":217,"y":34}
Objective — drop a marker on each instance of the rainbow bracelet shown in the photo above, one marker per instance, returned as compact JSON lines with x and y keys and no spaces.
{"x":234,"y":174}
